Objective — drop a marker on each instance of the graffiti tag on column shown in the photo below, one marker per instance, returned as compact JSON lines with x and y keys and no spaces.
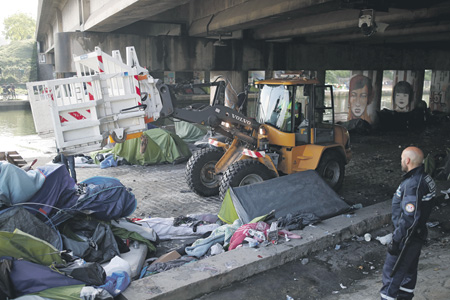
{"x":436,"y":97}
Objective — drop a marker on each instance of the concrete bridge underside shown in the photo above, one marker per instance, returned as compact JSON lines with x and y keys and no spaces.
{"x":258,"y":34}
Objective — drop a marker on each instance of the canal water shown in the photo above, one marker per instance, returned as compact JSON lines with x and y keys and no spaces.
{"x":16,"y":122}
{"x":17,"y":133}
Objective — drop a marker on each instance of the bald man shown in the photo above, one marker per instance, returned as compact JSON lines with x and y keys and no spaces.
{"x":411,"y":207}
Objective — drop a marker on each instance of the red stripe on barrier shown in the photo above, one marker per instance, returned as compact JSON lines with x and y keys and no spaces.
{"x":77,"y":115}
{"x":88,"y":110}
{"x":91,"y":97}
{"x":100,"y":58}
{"x":62,"y":120}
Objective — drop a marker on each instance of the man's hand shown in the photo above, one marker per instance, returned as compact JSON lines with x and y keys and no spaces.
{"x":394,"y":248}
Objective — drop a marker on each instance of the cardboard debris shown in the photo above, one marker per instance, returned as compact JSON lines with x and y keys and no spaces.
{"x":172,"y":255}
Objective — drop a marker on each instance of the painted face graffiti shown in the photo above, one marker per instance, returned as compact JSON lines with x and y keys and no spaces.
{"x":358,"y":101}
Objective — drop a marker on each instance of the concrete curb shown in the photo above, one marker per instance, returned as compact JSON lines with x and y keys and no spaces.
{"x":207,"y":275}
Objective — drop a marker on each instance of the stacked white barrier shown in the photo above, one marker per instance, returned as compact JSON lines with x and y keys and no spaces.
{"x":103,"y":99}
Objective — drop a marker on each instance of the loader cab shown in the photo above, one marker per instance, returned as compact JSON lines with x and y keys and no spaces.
{"x":298,"y":106}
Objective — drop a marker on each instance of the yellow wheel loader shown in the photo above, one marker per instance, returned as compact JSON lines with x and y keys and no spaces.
{"x":293,"y":131}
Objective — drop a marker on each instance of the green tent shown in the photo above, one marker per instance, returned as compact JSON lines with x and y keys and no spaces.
{"x":189,"y":132}
{"x":21,"y":245}
{"x":162,"y":146}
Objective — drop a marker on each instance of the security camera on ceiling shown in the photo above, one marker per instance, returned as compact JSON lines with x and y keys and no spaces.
{"x":367,"y":22}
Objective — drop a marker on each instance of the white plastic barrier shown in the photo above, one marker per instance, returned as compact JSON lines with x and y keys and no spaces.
{"x":103,"y":99}
{"x":84,"y":111}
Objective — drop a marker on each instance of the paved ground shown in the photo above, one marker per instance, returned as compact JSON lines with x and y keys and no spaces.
{"x":161,"y":191}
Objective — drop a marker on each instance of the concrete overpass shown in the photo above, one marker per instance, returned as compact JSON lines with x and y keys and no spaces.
{"x":183,"y":35}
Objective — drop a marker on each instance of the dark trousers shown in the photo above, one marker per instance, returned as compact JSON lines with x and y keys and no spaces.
{"x":401,"y":285}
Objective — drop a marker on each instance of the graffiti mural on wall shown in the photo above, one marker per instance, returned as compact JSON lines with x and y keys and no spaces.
{"x":440,"y":91}
{"x":408,"y":89}
{"x":360,"y":97}
{"x":403,"y":96}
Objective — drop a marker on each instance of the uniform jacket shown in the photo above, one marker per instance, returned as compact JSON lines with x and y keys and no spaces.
{"x":412,"y":204}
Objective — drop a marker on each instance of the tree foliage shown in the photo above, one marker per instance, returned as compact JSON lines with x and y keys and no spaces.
{"x":19,"y":27}
{"x":18,"y":62}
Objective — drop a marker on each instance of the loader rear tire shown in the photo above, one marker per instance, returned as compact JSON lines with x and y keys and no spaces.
{"x":244,"y":172}
{"x":332,"y":169}
{"x":200,"y":172}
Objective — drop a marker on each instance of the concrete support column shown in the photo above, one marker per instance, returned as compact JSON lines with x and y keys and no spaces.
{"x":237,"y":79}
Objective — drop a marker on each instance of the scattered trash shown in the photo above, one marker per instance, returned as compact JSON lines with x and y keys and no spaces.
{"x":252,"y":243}
{"x":289,"y":297}
{"x":368,"y":237}
{"x":357,"y":206}
{"x":258,"y":235}
{"x":272,"y":233}
{"x":447,"y":194}
{"x":216,"y":249}
{"x":349,"y":215}
{"x":305,"y":261}
{"x":342,"y":286}
{"x":335,"y":292}
{"x":384,"y":240}
{"x":372,"y":267}
{"x":295,"y":279}
{"x":286,"y":237}
{"x":337,"y":247}
{"x":432,"y":224}
{"x":358,"y":238}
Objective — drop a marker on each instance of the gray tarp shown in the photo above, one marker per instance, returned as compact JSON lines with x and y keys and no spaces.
{"x":304,"y":191}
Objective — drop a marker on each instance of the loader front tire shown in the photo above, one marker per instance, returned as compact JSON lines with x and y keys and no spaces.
{"x":200,"y":172}
{"x":244,"y":172}
{"x":332,"y":168}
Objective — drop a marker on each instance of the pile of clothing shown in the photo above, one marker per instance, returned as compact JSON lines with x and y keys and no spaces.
{"x":62,"y":240}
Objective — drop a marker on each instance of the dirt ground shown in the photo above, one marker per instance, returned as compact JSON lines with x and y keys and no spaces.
{"x":372,"y":176}
{"x":374,"y":172}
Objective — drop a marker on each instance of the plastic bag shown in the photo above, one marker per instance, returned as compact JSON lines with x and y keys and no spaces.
{"x":90,"y":272}
{"x":108,"y":162}
{"x":117,"y":264}
{"x":117,"y":283}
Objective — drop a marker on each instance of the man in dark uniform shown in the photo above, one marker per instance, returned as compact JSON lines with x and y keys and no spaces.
{"x":411,"y":207}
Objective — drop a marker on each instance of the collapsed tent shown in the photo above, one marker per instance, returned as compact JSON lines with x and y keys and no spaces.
{"x":189,"y":132}
{"x":160,"y":146}
{"x":18,"y":218}
{"x":59,"y":198}
{"x":303,"y":191}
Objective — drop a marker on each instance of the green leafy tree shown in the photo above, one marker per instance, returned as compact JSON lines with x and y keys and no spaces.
{"x":19,"y":27}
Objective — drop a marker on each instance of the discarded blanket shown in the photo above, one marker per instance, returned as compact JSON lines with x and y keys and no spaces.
{"x":166,"y":230}
{"x":16,"y":185}
{"x":221,"y":234}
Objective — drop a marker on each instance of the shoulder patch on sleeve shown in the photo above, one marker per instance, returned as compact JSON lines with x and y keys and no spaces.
{"x":410,"y":207}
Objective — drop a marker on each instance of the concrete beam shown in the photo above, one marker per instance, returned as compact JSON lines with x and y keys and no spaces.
{"x":120,"y":13}
{"x":245,"y":14}
{"x":166,"y":53}
{"x":337,"y":21}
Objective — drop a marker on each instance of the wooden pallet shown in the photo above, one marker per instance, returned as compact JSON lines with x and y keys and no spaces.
{"x":13,"y":157}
